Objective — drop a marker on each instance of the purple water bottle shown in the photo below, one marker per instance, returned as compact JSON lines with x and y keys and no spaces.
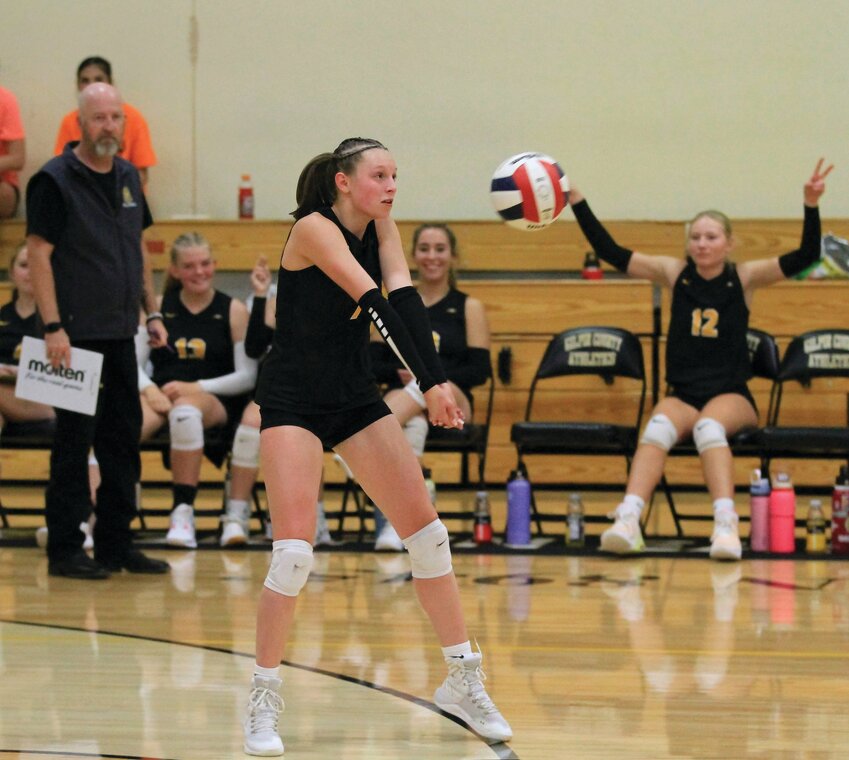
{"x":759,"y":491}
{"x":518,"y":531}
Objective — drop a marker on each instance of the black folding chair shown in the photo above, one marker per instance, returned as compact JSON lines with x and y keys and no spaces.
{"x":614,"y":357}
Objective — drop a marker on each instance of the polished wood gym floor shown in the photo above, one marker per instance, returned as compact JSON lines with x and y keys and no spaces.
{"x":587,"y":656}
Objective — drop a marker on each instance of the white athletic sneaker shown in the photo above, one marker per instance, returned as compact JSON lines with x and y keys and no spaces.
{"x":462,"y":694}
{"x":264,"y":707}
{"x":725,"y":541}
{"x":181,"y":530}
{"x":235,"y":525}
{"x":388,"y":540}
{"x":624,"y":536}
{"x":322,"y":532}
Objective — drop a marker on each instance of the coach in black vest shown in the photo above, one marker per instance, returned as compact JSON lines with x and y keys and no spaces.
{"x":91,"y":275}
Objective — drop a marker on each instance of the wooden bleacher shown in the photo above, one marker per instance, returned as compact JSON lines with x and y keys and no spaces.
{"x":529,"y":285}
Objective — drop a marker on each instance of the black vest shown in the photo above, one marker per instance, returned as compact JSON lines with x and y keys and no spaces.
{"x":97,"y":263}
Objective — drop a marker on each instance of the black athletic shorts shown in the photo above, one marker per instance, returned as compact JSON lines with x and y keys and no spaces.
{"x":331,"y":428}
{"x":700,"y":401}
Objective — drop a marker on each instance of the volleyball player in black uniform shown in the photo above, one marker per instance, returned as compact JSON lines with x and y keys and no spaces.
{"x":201,"y":378}
{"x":317,"y":389}
{"x":462,"y":338}
{"x":707,"y":363}
{"x":17,"y":321}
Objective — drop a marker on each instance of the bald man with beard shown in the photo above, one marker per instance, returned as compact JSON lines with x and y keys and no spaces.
{"x":91,"y":274}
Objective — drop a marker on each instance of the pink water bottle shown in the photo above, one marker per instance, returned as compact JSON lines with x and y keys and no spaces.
{"x":759,"y":491}
{"x":782,"y":515}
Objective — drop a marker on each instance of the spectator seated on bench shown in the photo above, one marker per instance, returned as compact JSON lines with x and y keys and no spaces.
{"x":201,"y":380}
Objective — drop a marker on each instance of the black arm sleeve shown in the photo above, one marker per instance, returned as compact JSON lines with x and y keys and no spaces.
{"x":410,"y":307}
{"x":384,"y":363}
{"x":809,"y":249}
{"x":259,"y":334}
{"x":392,"y":329}
{"x":475,"y":371}
{"x":599,"y":238}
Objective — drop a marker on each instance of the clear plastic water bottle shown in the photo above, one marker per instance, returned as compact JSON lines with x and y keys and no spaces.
{"x":518,"y":532}
{"x":483,"y":519}
{"x":815,"y":536}
{"x":575,"y":521}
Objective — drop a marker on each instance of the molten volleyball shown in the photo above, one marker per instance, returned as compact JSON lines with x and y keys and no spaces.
{"x":529,"y":190}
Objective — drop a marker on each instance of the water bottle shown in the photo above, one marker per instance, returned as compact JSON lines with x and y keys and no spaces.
{"x":759,"y":491}
{"x":429,"y":484}
{"x":815,"y":535}
{"x":246,"y":198}
{"x":518,"y":532}
{"x":782,"y":515}
{"x":575,"y":521}
{"x":840,"y":513}
{"x":592,"y":268}
{"x":483,"y":519}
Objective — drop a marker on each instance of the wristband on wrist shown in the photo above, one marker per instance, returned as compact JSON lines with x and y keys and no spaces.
{"x":153,"y":315}
{"x":52,"y":327}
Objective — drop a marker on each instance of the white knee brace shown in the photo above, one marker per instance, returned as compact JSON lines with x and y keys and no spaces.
{"x":186,"y":425}
{"x":430,"y":554}
{"x":709,"y":434}
{"x":415,"y":431}
{"x":413,"y":389}
{"x":246,"y":447}
{"x":291,"y":562}
{"x":660,"y":432}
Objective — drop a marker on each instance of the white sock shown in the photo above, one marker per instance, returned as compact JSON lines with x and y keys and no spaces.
{"x":267,"y":672}
{"x":456,"y":650}
{"x":632,"y":500}
{"x":723,"y":504}
{"x":237,"y":506}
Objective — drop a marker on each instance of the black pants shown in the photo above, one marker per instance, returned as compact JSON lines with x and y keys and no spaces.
{"x":114,"y":432}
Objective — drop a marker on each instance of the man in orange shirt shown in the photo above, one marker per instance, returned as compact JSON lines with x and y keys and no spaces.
{"x":12,"y":153}
{"x":136,"y":147}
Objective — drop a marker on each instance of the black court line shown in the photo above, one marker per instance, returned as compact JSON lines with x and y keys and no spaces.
{"x":65,"y":753}
{"x":501,"y":749}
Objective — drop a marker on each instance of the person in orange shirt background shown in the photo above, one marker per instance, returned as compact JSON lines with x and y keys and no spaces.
{"x":136,"y":148}
{"x":12,"y":153}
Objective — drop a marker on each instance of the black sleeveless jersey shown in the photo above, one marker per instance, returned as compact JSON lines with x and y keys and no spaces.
{"x":706,"y":351}
{"x":13,"y":329}
{"x":319,"y":360}
{"x":448,"y":321}
{"x":202,"y":343}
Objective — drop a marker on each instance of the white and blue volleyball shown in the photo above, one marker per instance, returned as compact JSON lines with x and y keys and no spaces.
{"x":529,"y":191}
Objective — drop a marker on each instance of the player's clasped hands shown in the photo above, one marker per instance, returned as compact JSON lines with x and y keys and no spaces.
{"x":442,"y":409}
{"x":261,"y":277}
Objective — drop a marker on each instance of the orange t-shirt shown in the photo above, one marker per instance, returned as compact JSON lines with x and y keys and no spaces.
{"x":11,"y":128}
{"x":136,"y":149}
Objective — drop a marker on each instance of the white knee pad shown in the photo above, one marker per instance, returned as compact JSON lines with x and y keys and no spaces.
{"x":413,"y":389}
{"x":246,"y":447}
{"x":415,"y":431}
{"x":660,"y":432}
{"x":709,"y":434}
{"x":430,"y":554}
{"x":291,"y":562}
{"x":186,"y":425}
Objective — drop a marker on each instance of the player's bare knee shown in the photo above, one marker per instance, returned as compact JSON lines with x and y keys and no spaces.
{"x":185,"y":423}
{"x":660,"y":432}
{"x":430,"y":552}
{"x":291,"y":562}
{"x":708,"y":434}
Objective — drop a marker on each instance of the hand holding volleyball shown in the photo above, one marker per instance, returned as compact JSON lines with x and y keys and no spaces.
{"x":529,"y":191}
